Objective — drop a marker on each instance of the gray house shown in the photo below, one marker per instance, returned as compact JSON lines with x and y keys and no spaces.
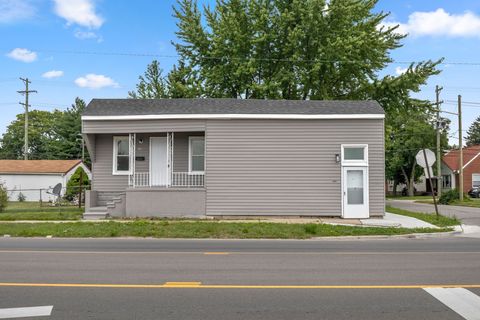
{"x":232,"y":157}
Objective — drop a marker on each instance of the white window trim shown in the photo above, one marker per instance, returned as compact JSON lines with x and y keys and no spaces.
{"x":116,"y":172}
{"x":353,"y":163}
{"x":474,"y":174}
{"x":190,"y":139}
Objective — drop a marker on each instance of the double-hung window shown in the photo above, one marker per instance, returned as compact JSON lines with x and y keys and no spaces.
{"x":196,"y":150}
{"x":475,"y":180}
{"x":121,"y":155}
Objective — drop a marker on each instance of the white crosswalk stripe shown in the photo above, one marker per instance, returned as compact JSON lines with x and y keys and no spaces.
{"x":462,"y":301}
{"x":14,"y":313}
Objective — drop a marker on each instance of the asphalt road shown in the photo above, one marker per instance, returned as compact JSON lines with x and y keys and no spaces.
{"x":467,"y":215}
{"x":232,"y":279}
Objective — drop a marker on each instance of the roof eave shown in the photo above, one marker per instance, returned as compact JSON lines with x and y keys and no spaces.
{"x":234,"y":116}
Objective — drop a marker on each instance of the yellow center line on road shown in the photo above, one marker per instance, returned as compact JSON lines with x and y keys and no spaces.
{"x":199,"y":285}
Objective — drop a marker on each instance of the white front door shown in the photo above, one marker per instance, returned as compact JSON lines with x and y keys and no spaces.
{"x":355,"y":193}
{"x":158,"y":161}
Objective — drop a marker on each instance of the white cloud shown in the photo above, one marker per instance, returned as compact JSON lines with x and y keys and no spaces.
{"x":439,"y":23}
{"x":400,"y":70}
{"x":81,"y":12}
{"x":14,"y":10}
{"x":23,"y":55}
{"x":83,"y":35}
{"x":95,"y":81}
{"x":52,"y":74}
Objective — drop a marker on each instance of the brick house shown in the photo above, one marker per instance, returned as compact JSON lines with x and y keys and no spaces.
{"x":471,"y":168}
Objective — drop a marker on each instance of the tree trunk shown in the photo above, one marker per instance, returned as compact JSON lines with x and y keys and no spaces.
{"x":411,"y":186}
{"x":395,"y":185}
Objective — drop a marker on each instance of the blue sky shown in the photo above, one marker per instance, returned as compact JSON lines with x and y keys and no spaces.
{"x":43,"y":40}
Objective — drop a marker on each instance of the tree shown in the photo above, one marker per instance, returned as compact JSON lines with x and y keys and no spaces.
{"x":52,"y":135}
{"x":473,"y":133}
{"x":406,"y":135}
{"x":67,"y":143}
{"x":41,"y":133}
{"x":73,"y":184}
{"x":292,"y":49}
{"x":152,"y":84}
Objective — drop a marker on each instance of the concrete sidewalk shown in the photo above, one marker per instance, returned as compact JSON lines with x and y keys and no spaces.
{"x":396,"y":220}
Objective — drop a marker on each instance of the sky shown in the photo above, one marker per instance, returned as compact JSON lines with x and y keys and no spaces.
{"x":98,"y":48}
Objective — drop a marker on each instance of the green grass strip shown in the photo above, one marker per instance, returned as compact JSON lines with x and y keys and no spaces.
{"x":200,"y":229}
{"x":440,"y":221}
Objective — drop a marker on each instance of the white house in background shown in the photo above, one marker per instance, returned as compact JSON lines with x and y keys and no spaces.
{"x":29,"y":176}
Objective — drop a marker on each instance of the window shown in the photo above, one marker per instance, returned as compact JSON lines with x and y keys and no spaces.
{"x":475,"y":180}
{"x":355,"y":154}
{"x":446,"y":181}
{"x":196,"y":150}
{"x":121,"y":155}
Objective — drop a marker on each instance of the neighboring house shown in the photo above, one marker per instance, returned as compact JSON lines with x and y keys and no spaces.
{"x":450,"y":170}
{"x":471,"y":168}
{"x":235,"y":157}
{"x":31,"y":176}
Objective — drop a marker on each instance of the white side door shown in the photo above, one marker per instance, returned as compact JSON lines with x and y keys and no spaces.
{"x":355,"y":193}
{"x":158,"y":161}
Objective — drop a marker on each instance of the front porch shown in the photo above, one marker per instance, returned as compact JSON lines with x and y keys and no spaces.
{"x":167,"y":160}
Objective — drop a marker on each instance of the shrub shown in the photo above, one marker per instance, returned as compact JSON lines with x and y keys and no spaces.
{"x":21,"y":197}
{"x":74,"y":183}
{"x":450,"y":196}
{"x":3,"y":198}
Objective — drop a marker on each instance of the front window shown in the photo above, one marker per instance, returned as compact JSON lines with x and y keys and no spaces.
{"x":197,"y":154}
{"x":121,"y":155}
{"x":476,"y":180}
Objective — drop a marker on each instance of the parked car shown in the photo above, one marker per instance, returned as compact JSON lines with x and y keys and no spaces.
{"x":474,"y":192}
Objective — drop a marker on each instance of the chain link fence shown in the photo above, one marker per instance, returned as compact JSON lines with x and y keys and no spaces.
{"x":71,"y":196}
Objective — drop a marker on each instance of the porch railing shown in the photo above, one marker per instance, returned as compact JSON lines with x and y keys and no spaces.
{"x":178,"y":179}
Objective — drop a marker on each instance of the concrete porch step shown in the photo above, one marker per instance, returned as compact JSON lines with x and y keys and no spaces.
{"x":95,"y":213}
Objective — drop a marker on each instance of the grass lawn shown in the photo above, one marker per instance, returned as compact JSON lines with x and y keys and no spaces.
{"x":409,"y":198}
{"x":32,"y":211}
{"x":474,"y":203}
{"x":197,"y":229}
{"x":441,"y":221}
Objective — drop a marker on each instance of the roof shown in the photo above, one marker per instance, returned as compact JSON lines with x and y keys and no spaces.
{"x":187,"y":108}
{"x":452,"y":158}
{"x":37,"y":166}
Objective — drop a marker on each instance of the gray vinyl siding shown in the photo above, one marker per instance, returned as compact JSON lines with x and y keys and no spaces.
{"x":286,"y":167}
{"x":104,"y":180}
{"x":142,"y":126}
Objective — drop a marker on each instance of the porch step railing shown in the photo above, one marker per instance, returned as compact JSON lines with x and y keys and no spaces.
{"x":178,"y":179}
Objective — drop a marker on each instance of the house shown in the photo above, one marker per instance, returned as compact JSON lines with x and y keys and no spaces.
{"x":36,"y":178}
{"x":471,"y":168}
{"x":450,"y":172}
{"x":235,"y":157}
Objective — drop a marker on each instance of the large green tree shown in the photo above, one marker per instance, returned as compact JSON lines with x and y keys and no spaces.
{"x":52,"y":135}
{"x":473,"y":133}
{"x":41,"y":134}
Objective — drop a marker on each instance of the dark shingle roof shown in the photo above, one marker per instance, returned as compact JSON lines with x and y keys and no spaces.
{"x":126,"y":107}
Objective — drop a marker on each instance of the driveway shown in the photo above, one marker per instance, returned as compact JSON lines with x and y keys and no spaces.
{"x":467,"y":215}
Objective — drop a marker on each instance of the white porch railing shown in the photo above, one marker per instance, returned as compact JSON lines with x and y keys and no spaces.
{"x":178,"y":179}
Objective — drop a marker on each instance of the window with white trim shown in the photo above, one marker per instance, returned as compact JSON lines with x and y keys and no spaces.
{"x":196,"y":151}
{"x":355,"y":154}
{"x":121,"y":155}
{"x":475,"y":180}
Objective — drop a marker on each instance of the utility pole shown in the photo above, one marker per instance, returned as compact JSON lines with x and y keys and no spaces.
{"x":460,"y":146}
{"x":439,"y":151}
{"x":26,"y":92}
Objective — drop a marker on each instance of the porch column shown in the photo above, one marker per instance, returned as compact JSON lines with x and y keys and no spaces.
{"x":170,"y":149}
{"x":132,"y":138}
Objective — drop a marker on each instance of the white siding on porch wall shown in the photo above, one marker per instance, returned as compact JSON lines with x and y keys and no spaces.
{"x":18,"y":182}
